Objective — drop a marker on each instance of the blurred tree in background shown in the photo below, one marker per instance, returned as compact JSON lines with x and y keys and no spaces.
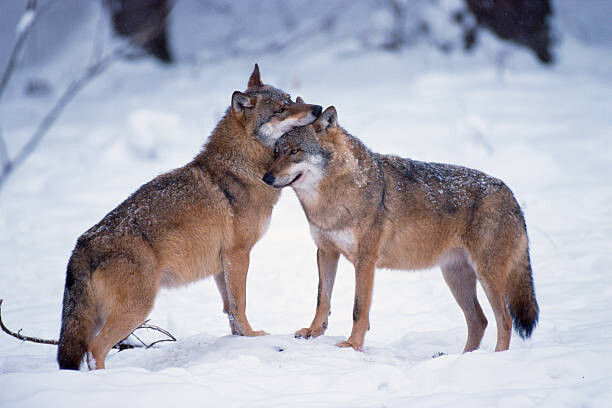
{"x":524,"y":22}
{"x":79,"y":39}
{"x":131,"y":18}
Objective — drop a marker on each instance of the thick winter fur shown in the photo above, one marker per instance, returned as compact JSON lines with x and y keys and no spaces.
{"x":196,"y":221}
{"x":383,"y":211}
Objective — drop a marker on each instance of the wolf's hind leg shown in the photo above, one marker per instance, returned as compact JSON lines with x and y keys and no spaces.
{"x":222,"y":286}
{"x":497,"y":299}
{"x":461,"y":279}
{"x":126,"y":296}
{"x":118,"y":326}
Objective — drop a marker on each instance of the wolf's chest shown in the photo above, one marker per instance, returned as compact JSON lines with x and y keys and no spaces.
{"x":342,"y":239}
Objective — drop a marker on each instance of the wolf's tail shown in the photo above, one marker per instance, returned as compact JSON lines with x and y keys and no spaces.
{"x":78,"y":317}
{"x":520,"y":295}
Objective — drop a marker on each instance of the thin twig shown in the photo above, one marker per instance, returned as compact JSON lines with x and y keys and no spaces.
{"x":158,"y":341}
{"x":276,"y":45}
{"x":20,"y":42}
{"x":122,"y":345}
{"x":4,"y":155}
{"x":139,"y":339}
{"x":97,"y":49}
{"x":145,"y":325}
{"x":20,"y":336}
{"x":91,"y":71}
{"x":75,"y":86}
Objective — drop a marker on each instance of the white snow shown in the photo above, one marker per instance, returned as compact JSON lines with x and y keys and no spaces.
{"x":544,"y":131}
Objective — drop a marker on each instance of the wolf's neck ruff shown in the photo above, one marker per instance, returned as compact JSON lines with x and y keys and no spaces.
{"x":354,"y":166}
{"x":236,"y":151}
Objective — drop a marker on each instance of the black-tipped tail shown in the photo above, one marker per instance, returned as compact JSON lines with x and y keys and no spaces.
{"x":77,"y":320}
{"x":521,"y":298}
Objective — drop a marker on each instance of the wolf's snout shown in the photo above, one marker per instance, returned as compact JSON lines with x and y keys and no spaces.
{"x":317,"y":110}
{"x":268,"y":178}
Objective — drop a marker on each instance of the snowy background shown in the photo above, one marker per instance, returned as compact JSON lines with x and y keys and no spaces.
{"x":545,"y":130}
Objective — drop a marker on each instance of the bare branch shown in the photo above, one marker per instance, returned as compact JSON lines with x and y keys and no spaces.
{"x":75,"y":86}
{"x":19,"y":335}
{"x":4,"y":156}
{"x":145,"y":325}
{"x":19,"y":43}
{"x":97,"y":49}
{"x":122,"y":345}
{"x":139,"y":339}
{"x":22,"y":36}
{"x":158,"y":341}
{"x":303,"y":29}
{"x":91,"y":71}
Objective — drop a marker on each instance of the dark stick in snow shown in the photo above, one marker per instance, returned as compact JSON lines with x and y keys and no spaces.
{"x":122,"y":345}
{"x":19,"y":336}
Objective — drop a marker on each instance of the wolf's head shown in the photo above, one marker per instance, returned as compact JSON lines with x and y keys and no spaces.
{"x":268,"y":112}
{"x":300,"y":159}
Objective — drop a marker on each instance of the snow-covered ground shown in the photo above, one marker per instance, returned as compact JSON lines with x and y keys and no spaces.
{"x":545,"y":131}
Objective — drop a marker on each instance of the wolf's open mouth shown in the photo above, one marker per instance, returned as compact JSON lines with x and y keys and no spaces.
{"x":295,"y":179}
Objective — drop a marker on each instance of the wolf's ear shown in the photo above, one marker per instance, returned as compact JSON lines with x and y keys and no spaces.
{"x":255,"y":79}
{"x":241,"y":101}
{"x":299,"y":100}
{"x":327,"y":120}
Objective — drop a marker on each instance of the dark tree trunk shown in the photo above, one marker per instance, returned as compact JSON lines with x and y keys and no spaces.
{"x":524,"y":22}
{"x":145,"y":22}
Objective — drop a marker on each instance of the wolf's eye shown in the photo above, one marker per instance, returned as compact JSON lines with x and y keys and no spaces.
{"x":281,"y":110}
{"x":293,"y":151}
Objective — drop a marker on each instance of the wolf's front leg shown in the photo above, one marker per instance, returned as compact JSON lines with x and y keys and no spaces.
{"x":222,"y":286}
{"x":364,"y":282}
{"x":236,"y":266}
{"x":327,"y":263}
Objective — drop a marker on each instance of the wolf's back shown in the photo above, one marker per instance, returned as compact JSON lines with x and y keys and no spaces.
{"x":78,"y":315}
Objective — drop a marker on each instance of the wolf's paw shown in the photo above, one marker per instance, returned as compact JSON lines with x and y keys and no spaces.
{"x":357,"y":346}
{"x":309,"y":332}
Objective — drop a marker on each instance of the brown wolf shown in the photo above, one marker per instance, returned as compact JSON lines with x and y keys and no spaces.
{"x":388,"y":212}
{"x":198,"y":220}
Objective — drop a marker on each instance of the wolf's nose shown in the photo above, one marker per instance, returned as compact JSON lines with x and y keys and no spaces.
{"x":268,"y":178}
{"x":317,"y":110}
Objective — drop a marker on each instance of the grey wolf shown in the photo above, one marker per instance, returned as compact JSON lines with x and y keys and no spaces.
{"x":193,"y":222}
{"x":383,"y":211}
